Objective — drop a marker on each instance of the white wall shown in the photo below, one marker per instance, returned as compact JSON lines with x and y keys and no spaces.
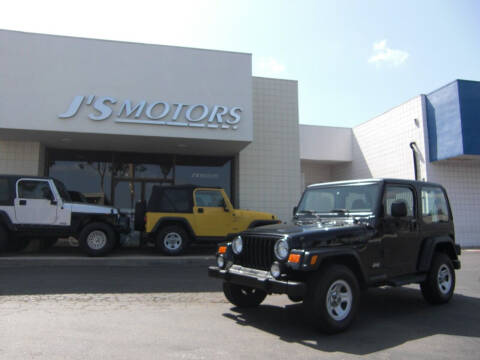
{"x":381,"y":146}
{"x":269,"y":168}
{"x":325,"y":143}
{"x":314,"y":172}
{"x":462,"y":181}
{"x":21,"y":158}
{"x":40,"y":75}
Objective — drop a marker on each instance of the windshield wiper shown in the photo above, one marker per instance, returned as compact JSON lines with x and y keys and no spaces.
{"x":310,"y":212}
{"x":343,"y":211}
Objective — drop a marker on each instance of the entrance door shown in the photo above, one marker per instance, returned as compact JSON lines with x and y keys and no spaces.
{"x":211,"y":218}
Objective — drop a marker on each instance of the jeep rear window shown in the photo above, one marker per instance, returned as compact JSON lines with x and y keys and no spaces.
{"x":350,"y":198}
{"x":434,"y":205}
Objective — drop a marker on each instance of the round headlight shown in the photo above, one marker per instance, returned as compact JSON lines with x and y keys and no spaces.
{"x":281,"y":249}
{"x":237,"y":245}
{"x":220,"y":261}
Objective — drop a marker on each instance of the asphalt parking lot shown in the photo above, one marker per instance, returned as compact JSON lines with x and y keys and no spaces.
{"x":172,"y":310}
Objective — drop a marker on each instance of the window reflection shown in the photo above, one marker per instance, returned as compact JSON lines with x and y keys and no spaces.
{"x":93,"y":179}
{"x":218,"y":175}
{"x":101,"y":176}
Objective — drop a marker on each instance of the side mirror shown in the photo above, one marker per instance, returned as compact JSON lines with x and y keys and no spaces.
{"x":295,"y":208}
{"x":399,"y":209}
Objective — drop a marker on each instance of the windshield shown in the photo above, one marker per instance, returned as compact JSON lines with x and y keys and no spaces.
{"x":62,"y":190}
{"x":360,"y":198}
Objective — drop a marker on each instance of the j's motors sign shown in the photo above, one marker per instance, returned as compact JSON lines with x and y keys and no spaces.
{"x":156,"y":112}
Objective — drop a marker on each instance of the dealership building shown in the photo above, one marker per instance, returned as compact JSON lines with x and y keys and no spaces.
{"x":112,"y":119}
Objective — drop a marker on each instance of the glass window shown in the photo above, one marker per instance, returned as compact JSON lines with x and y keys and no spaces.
{"x":434,"y":205}
{"x":127,"y":193}
{"x":394,"y":194}
{"x":204,"y":172}
{"x":96,"y":174}
{"x":32,"y":189}
{"x":208,"y":198}
{"x":87,"y":172}
{"x":359,"y":197}
{"x":4,"y":191}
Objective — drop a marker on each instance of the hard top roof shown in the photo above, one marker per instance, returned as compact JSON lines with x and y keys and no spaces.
{"x":373,"y":180}
{"x":9,"y":176}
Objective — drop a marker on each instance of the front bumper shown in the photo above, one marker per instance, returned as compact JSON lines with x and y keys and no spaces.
{"x":259,"y":280}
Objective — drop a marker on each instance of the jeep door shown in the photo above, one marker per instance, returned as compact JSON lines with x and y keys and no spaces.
{"x":400,"y":241}
{"x":212,"y":217}
{"x":35,"y":202}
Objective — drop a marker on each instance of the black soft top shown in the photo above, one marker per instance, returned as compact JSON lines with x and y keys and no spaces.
{"x":176,"y":198}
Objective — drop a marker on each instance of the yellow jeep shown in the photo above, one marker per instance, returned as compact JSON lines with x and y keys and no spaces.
{"x":176,"y":215}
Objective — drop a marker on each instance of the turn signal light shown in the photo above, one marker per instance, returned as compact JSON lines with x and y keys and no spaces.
{"x":222,"y":249}
{"x":294,"y":258}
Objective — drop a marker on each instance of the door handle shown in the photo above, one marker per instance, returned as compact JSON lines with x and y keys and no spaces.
{"x":413,"y":225}
{"x":22,"y":202}
{"x":200,"y":210}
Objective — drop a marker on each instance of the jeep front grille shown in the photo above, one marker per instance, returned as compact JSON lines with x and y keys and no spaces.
{"x":257,"y":252}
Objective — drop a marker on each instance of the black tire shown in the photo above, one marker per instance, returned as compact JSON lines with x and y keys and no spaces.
{"x":3,"y":239}
{"x":97,"y":239}
{"x":242,"y":296}
{"x":332,"y":299}
{"x":172,"y":240}
{"x":34,"y":245}
{"x":295,"y":298}
{"x":440,"y":283}
{"x":17,"y":244}
{"x":139,"y":219}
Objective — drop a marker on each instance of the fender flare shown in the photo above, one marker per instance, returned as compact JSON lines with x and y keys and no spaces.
{"x":429,"y":247}
{"x":162,"y":221}
{"x":347,"y":257}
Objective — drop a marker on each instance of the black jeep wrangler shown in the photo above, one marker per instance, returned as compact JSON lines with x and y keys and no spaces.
{"x":344,"y":237}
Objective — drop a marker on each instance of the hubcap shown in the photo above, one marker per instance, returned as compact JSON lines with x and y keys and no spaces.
{"x":339,"y":300}
{"x":96,"y":240}
{"x":172,"y":241}
{"x":444,"y":279}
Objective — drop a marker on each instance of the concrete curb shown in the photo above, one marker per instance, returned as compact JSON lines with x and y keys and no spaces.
{"x":123,"y":261}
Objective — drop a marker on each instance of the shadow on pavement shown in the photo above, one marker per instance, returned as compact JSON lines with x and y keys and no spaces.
{"x":44,"y":280}
{"x":387,"y":318}
{"x":205,"y":248}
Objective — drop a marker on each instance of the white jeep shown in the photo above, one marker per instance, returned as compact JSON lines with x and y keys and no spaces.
{"x":41,"y":207}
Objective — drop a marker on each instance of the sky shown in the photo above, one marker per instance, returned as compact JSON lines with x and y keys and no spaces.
{"x":353,"y":60}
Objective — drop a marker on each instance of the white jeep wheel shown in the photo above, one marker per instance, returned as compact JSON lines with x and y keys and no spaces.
{"x":97,"y":240}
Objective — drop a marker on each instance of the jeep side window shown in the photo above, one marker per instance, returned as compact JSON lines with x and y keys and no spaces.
{"x":209,"y":198}
{"x":434,"y":205}
{"x":33,"y":189}
{"x":395,"y":193}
